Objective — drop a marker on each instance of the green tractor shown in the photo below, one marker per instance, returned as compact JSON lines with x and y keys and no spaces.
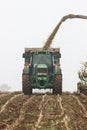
{"x":42,"y":70}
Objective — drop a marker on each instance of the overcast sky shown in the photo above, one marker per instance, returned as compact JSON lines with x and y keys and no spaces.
{"x":28,"y":23}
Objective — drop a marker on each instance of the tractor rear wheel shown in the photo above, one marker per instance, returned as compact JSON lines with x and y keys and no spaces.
{"x":26,"y":88}
{"x":58,"y":84}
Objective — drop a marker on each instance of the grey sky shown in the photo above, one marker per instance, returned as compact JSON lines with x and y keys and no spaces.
{"x":27,"y":23}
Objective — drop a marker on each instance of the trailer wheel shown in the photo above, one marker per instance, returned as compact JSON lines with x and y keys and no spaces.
{"x":26,"y":88}
{"x":58,"y":84}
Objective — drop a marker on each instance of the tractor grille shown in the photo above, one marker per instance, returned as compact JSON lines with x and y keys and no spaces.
{"x":42,"y":72}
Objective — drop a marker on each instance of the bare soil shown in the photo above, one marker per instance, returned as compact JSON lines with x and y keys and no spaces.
{"x":43,"y":111}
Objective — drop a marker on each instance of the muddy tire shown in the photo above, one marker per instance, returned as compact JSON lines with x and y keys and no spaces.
{"x":26,"y":88}
{"x":58,"y":84}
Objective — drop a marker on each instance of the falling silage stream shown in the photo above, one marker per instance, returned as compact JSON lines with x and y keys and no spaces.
{"x":55,"y":30}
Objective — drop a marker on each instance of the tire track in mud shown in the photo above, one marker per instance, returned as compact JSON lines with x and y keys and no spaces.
{"x":59,"y":100}
{"x":41,"y":107}
{"x":10,"y":110}
{"x":83,"y":99}
{"x":75,"y":111}
{"x":44,"y":112}
{"x":81,"y":105}
{"x":66,"y":119}
{"x":29,"y":113}
{"x":21,"y":116}
{"x":52,"y":115}
{"x":10,"y":100}
{"x":4,"y":98}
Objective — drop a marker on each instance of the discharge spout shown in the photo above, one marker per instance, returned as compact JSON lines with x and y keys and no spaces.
{"x":52,"y":35}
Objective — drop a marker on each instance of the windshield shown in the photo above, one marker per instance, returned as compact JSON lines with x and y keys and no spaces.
{"x":42,"y":58}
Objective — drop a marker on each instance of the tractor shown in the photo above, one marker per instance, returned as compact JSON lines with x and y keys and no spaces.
{"x":42,"y":70}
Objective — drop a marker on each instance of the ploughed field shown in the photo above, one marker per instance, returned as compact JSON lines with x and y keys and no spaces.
{"x":43,"y":111}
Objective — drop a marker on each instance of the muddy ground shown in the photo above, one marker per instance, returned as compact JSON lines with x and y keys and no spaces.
{"x":43,"y":111}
